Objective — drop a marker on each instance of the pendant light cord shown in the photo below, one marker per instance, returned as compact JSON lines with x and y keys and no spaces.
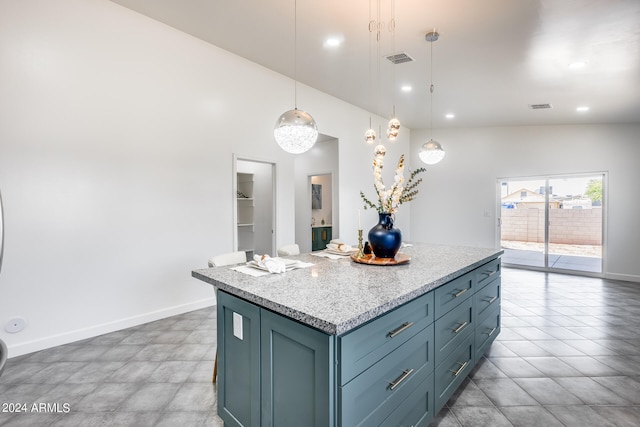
{"x":295,"y":54}
{"x":431,"y":93}
{"x":392,"y":29}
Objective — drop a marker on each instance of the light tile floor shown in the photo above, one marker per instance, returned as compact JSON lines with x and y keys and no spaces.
{"x":568,"y":354}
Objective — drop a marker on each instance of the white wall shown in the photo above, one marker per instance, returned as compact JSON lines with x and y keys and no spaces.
{"x":457,"y":192}
{"x":116,"y":141}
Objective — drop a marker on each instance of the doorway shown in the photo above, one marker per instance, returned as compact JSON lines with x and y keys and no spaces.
{"x":320,"y":161}
{"x":254,"y":206}
{"x":321,"y":210}
{"x":553,"y":223}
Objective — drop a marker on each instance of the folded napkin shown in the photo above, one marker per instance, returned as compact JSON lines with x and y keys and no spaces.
{"x":324,"y":254}
{"x":273,"y":265}
{"x":340,"y":247}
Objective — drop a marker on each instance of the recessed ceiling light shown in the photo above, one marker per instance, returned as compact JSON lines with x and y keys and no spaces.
{"x":333,"y":42}
{"x":582,"y":109}
{"x":406,"y":88}
{"x":450,"y":115}
{"x":577,"y":65}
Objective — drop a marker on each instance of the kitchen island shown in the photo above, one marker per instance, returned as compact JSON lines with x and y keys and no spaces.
{"x":345,"y":344}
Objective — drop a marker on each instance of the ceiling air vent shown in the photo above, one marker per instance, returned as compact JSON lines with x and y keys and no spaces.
{"x":539,"y":106}
{"x":399,"y":58}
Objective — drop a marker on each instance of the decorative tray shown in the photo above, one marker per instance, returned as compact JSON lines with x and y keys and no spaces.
{"x":372,"y":260}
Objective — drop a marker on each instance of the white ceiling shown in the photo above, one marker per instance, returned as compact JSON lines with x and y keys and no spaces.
{"x":493,"y":59}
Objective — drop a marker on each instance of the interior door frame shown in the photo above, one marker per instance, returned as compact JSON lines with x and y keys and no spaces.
{"x":234,"y":204}
{"x":546,"y":178}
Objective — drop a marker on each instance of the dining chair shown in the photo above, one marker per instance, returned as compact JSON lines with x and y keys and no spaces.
{"x":228,"y":259}
{"x":287,"y":250}
{"x":221,"y":260}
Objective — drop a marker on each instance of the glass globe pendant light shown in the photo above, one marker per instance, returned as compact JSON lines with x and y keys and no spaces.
{"x":295,"y":130}
{"x":431,"y":151}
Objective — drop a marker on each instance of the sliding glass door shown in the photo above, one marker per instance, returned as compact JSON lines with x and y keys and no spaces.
{"x":553,"y":222}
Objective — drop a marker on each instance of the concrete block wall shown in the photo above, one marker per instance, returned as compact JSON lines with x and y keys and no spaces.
{"x":566,"y":226}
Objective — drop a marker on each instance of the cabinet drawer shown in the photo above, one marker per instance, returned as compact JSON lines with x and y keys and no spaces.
{"x":450,"y":373}
{"x":370,"y":397}
{"x":487,"y":329}
{"x":453,"y":293}
{"x":453,"y":328}
{"x":486,"y":273}
{"x":487,"y":298}
{"x":366,"y":345}
{"x":416,"y":410}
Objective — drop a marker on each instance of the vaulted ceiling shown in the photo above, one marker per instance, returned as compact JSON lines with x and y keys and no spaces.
{"x":494,"y":58}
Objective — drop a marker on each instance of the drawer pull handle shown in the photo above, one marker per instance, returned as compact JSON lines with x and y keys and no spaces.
{"x":400,"y":379}
{"x":460,"y":369}
{"x":490,"y":273}
{"x":492,"y":300}
{"x":456,"y":295}
{"x":401,"y":328}
{"x":491,"y":331}
{"x":459,"y":328}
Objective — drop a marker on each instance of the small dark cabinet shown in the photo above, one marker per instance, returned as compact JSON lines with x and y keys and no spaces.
{"x":320,"y":237}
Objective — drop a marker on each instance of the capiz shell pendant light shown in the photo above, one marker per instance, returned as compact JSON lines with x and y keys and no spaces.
{"x":431,"y":151}
{"x":295,"y":130}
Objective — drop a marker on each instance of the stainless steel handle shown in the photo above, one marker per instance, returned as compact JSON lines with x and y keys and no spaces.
{"x":459,"y":328}
{"x":400,"y":379}
{"x":490,"y":273}
{"x":401,"y":328}
{"x":460,"y":369}
{"x":491,"y":331}
{"x":460,"y":293}
{"x":492,"y":300}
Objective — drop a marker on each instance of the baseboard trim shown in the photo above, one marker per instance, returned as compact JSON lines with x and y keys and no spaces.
{"x":623,"y":277}
{"x":27,"y":347}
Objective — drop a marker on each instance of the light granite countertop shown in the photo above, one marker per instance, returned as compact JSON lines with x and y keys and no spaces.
{"x":336,"y":296}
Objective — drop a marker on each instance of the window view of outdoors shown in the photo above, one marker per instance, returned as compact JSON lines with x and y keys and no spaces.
{"x":571,"y":238}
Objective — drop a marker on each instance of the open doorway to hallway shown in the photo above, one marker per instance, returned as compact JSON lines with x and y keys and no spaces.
{"x":553,"y":222}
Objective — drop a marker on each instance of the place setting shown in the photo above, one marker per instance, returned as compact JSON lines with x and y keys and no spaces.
{"x":262,"y":265}
{"x":336,"y":249}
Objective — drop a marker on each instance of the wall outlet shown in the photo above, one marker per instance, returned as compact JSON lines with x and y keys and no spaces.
{"x":15,"y":325}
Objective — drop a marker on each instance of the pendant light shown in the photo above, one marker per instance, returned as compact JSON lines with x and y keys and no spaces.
{"x":431,"y":151}
{"x":295,"y":130}
{"x":393,"y":128}
{"x":374,"y":25}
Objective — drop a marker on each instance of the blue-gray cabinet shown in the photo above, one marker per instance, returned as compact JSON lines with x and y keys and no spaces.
{"x":296,"y":373}
{"x":398,"y":369}
{"x":238,"y":361}
{"x":272,"y":371}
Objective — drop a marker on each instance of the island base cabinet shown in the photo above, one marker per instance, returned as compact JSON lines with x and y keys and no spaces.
{"x":372,"y":396}
{"x":399,"y":369}
{"x":238,"y":361}
{"x":417,"y":410}
{"x":450,"y":373}
{"x":272,"y":371}
{"x":297,"y":373}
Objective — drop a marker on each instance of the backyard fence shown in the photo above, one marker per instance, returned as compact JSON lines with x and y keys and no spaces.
{"x":566,"y":226}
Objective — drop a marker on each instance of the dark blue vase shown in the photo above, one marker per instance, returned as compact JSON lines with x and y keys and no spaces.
{"x":385,"y":240}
